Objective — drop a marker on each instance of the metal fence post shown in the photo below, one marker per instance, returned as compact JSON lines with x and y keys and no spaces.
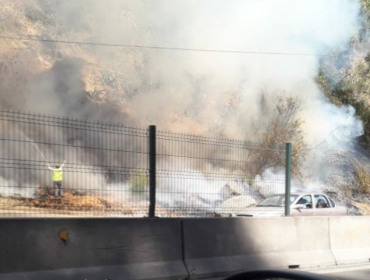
{"x":288,"y":165}
{"x":152,"y":170}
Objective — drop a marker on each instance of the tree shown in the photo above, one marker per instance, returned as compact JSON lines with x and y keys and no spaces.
{"x":283,"y":127}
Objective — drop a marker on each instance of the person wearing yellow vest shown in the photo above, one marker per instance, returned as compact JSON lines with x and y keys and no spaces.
{"x":57,"y":179}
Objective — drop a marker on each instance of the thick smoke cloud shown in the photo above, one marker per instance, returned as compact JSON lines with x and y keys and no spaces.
{"x":191,"y":91}
{"x":213,"y":90}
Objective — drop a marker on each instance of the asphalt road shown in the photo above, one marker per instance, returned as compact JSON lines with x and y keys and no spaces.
{"x":355,"y":272}
{"x":351,"y":272}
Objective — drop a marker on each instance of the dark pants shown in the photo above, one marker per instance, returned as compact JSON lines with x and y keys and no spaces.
{"x":58,"y":188}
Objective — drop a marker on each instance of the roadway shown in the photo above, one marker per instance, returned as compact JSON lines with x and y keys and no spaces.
{"x":348,"y":272}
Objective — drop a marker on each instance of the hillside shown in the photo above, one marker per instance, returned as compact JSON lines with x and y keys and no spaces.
{"x":88,"y":62}
{"x":345,"y":79}
{"x":98,"y":78}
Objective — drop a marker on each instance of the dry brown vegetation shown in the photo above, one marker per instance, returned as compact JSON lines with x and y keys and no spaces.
{"x":45,"y":204}
{"x":364,"y":208}
{"x":284,"y":127}
{"x":73,"y":201}
{"x":78,"y":203}
{"x":361,"y":180}
{"x":104,"y":81}
{"x":348,"y":174}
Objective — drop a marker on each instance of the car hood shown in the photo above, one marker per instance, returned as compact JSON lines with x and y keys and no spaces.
{"x":262,"y":212}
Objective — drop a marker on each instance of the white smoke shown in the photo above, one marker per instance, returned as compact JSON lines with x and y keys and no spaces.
{"x":199,"y":84}
{"x":193,"y":192}
{"x":12,"y":188}
{"x":220,"y":92}
{"x":271,"y":181}
{"x":206,"y":92}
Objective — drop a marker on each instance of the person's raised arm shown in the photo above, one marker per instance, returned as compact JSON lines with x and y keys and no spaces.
{"x":49,"y":166}
{"x":64,"y":162}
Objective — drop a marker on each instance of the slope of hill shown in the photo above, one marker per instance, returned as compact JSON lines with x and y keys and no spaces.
{"x":203,"y":93}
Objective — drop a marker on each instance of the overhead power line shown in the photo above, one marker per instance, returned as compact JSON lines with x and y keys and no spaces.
{"x":159,"y":47}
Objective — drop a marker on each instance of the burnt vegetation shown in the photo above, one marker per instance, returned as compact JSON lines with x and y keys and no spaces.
{"x":78,"y":84}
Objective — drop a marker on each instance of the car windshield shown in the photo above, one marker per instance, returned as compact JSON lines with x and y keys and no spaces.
{"x":276,"y":201}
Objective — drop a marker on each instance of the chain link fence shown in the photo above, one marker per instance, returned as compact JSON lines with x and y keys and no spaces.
{"x":108,"y":167}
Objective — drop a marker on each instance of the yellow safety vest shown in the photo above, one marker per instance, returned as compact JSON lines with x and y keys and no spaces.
{"x":57,"y":175}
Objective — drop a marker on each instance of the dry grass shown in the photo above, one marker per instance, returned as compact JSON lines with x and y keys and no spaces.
{"x":361,"y":178}
{"x":363,"y":208}
{"x":284,"y":127}
{"x":78,"y":205}
{"x":74,"y":202}
{"x":81,"y":205}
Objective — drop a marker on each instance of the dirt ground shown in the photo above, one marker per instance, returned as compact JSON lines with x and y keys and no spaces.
{"x":69,"y":206}
{"x":79,"y":206}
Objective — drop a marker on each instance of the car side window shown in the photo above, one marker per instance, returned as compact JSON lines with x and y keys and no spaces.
{"x":332,"y":202}
{"x":306,"y":200}
{"x":321,"y":201}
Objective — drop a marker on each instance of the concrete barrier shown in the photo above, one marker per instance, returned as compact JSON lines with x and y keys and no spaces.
{"x":216,"y":247}
{"x":94,"y":249}
{"x":350,"y":239}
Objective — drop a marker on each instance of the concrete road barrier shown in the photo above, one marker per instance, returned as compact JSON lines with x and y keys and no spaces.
{"x":91,"y":249}
{"x":96,"y":249}
{"x":216,"y":247}
{"x":350,"y":239}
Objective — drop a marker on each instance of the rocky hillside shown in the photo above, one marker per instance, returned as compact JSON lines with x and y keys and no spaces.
{"x":41,"y":59}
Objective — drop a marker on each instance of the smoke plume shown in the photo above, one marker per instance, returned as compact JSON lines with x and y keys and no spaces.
{"x":203,"y":92}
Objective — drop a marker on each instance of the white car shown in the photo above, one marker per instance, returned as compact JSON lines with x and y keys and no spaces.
{"x":301,"y":204}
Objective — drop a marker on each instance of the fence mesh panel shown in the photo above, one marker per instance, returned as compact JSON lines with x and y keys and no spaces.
{"x":107,"y":170}
{"x":105,"y":167}
{"x":201,"y":176}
